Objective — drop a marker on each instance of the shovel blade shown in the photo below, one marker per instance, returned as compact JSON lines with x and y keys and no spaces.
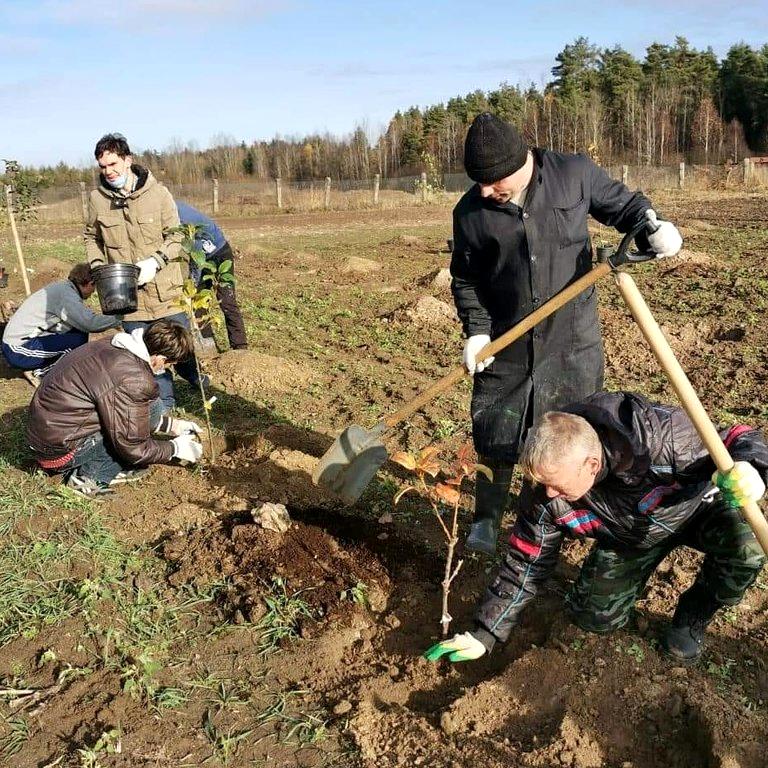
{"x":350,"y":463}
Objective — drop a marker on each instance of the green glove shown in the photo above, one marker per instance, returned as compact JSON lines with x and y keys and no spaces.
{"x":743,"y":483}
{"x":463,"y":647}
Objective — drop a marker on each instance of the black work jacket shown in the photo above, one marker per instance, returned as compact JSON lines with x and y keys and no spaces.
{"x":506,"y":262}
{"x":655,"y":479}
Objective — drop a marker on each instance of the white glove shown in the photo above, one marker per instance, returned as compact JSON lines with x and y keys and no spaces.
{"x":471,"y":347}
{"x":463,"y":647}
{"x":666,"y":240}
{"x":186,"y":449}
{"x":183,"y":427}
{"x":743,"y":483}
{"x":148,"y":270}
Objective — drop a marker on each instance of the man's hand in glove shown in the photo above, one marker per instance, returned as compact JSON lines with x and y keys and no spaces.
{"x":148,"y":270}
{"x":463,"y":647}
{"x":186,"y":449}
{"x":184,"y":427}
{"x":743,"y":483}
{"x":471,"y":347}
{"x":666,"y":240}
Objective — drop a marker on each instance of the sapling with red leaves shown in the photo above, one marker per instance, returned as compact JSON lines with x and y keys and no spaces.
{"x":444,"y":496}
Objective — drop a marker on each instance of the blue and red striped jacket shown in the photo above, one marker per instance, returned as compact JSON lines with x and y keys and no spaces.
{"x":656,"y":475}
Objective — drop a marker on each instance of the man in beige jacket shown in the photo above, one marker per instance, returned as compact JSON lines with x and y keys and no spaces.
{"x":132,"y":219}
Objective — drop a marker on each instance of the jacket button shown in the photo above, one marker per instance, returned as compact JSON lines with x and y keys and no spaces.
{"x":526,"y":215}
{"x":535,"y":299}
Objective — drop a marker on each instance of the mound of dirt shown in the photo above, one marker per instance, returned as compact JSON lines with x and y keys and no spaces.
{"x":252,"y":374}
{"x":427,"y":311}
{"x":438,"y":281}
{"x":48,"y":270}
{"x":411,"y":241}
{"x":305,"y":562}
{"x":360,"y":265}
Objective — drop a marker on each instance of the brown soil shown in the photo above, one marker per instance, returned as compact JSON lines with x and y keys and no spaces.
{"x":553,"y":695}
{"x":252,"y":374}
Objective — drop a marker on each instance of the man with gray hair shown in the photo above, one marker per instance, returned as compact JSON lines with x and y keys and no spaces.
{"x":52,"y":322}
{"x":634,"y":476}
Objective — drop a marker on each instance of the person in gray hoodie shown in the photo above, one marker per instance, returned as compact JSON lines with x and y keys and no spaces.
{"x":52,"y":322}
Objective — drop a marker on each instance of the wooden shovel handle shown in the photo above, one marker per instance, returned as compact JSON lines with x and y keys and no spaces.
{"x":687,"y":395}
{"x":514,"y":333}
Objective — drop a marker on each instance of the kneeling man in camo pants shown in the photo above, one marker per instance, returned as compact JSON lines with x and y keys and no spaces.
{"x":635,"y":477}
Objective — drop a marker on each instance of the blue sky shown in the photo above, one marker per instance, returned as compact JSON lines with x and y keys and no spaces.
{"x":179,"y":71}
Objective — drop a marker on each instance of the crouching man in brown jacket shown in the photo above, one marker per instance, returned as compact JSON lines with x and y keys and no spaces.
{"x":96,"y":413}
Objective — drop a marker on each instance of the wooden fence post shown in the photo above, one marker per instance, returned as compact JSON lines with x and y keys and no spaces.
{"x":279,"y":191}
{"x":423,"y":186}
{"x":83,"y":200}
{"x":376,"y":182}
{"x":747,"y":169}
{"x":327,"y":192}
{"x":625,"y":175}
{"x":215,"y":195}
{"x":681,"y":176}
{"x":16,"y":242}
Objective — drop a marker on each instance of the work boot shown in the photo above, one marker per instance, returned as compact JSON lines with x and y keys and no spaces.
{"x":491,"y":500}
{"x":684,"y":638}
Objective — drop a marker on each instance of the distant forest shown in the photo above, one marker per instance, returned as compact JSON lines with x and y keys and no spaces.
{"x":678,"y":103}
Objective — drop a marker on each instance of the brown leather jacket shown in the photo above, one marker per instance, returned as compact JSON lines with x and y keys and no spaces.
{"x":97,"y":388}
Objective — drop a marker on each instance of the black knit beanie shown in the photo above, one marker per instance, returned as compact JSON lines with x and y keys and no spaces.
{"x":493,"y":149}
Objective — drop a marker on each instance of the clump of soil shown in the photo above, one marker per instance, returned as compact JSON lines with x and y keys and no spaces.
{"x":427,"y":311}
{"x":305,"y":558}
{"x":411,"y":241}
{"x":438,"y":280}
{"x":358,"y":264}
{"x":252,"y":374}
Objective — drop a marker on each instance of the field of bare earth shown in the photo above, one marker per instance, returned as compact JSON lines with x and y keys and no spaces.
{"x":165,"y":627}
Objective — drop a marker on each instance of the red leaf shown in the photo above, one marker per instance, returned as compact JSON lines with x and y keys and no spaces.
{"x":447,"y":494}
{"x":404,"y":459}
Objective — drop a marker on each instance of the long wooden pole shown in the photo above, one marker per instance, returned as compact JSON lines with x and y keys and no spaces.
{"x":11,"y":218}
{"x":687,"y":395}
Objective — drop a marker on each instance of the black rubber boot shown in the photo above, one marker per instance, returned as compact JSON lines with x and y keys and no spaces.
{"x":684,"y":638}
{"x":491,"y":499}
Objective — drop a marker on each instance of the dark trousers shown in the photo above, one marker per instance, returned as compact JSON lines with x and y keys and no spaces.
{"x":187,"y":370}
{"x":96,"y":460}
{"x":42,"y":352}
{"x":610,"y":582}
{"x":233,"y":318}
{"x":225,"y":295}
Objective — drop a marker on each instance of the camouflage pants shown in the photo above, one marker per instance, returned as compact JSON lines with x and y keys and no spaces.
{"x":603,"y":596}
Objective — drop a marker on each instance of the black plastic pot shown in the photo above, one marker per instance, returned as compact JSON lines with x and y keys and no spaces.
{"x":117,"y":285}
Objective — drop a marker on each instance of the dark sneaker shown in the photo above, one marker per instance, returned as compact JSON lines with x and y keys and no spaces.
{"x":86,"y":486}
{"x":129,"y":476}
{"x":684,"y":638}
{"x":482,"y":537}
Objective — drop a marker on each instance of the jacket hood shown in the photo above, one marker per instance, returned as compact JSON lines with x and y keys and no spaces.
{"x":143,"y":176}
{"x":134,"y":343}
{"x":628,"y":428}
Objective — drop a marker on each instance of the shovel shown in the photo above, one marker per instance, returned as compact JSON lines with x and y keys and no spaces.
{"x":350,"y":463}
{"x":687,"y":396}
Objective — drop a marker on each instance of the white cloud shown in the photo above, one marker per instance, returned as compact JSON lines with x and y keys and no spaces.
{"x":143,"y":14}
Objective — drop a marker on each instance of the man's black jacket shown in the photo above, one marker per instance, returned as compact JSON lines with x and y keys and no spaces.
{"x":506,"y":262}
{"x":656,"y":475}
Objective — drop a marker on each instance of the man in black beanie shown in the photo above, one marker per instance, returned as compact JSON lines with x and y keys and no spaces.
{"x":519,"y":237}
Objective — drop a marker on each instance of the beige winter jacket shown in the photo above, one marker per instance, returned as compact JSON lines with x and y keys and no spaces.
{"x":124,"y":229}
